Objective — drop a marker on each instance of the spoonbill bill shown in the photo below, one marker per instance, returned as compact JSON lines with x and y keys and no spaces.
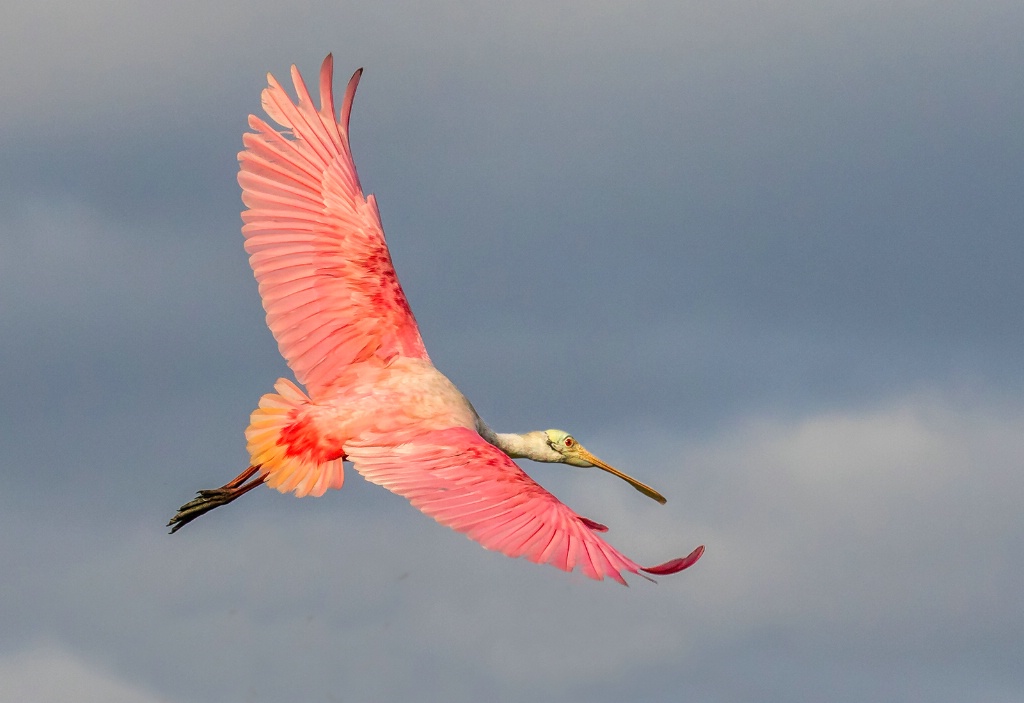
{"x":372,"y":397}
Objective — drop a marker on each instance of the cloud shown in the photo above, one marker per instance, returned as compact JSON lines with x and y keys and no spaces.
{"x":764,"y":257}
{"x":800,"y":176}
{"x":47,"y":674}
{"x":854,"y":505}
{"x":877,"y":545}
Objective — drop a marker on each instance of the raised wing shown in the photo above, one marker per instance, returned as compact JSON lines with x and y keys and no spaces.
{"x":315,"y":243}
{"x":461,"y":481}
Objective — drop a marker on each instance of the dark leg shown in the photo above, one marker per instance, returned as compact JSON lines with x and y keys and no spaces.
{"x":215,"y":497}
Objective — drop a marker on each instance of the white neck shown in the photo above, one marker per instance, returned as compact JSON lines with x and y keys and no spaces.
{"x":531,"y":445}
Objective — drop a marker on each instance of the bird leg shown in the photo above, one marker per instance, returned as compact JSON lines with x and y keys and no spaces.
{"x":215,"y":497}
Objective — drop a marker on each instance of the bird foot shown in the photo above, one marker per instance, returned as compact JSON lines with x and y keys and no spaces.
{"x":207,"y":501}
{"x":212,"y":498}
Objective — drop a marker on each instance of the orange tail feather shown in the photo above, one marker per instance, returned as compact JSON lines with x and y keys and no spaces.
{"x":283,"y":440}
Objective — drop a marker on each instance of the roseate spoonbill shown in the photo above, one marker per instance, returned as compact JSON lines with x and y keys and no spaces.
{"x":342,"y":322}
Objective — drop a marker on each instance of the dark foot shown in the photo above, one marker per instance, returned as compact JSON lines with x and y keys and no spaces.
{"x":207,"y":501}
{"x":214,"y":498}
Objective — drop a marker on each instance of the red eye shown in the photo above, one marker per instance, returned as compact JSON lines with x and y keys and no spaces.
{"x":568,"y":441}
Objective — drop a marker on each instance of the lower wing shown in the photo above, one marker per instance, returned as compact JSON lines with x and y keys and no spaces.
{"x":460,"y":480}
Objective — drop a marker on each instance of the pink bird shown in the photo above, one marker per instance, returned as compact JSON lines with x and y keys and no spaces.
{"x":373,"y":398}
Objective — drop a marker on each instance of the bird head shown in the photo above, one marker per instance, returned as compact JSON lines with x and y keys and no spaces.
{"x":573,"y":453}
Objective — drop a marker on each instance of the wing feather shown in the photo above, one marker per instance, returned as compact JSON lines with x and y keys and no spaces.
{"x":315,"y":242}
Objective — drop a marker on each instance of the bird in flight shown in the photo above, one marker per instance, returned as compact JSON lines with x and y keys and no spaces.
{"x":372,"y":397}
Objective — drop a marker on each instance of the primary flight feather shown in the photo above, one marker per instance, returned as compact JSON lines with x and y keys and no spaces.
{"x":342,"y":322}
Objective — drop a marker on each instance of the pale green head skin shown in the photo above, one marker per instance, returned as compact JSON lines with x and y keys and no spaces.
{"x":574,"y":454}
{"x":566,"y":445}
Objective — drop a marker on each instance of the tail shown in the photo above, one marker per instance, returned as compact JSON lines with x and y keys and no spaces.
{"x":287,"y":446}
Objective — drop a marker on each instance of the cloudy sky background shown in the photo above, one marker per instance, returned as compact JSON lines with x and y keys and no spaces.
{"x":765,"y":256}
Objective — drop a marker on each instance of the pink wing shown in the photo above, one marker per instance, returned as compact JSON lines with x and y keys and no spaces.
{"x":316,"y":243}
{"x":463,"y":482}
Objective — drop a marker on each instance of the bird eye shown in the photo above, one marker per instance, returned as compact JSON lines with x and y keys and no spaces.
{"x":569,"y":441}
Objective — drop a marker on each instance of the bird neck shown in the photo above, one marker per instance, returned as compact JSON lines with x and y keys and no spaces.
{"x":531,"y":445}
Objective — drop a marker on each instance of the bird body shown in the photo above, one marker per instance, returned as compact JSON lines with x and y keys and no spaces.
{"x":292,"y":435}
{"x":372,"y":396}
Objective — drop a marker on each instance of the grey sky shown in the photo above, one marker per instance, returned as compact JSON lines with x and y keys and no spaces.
{"x":765,"y":256}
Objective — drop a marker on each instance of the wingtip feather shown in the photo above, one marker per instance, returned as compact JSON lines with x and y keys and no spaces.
{"x":676,"y":565}
{"x":327,"y":88}
{"x":346,"y":104}
{"x":593,"y":524}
